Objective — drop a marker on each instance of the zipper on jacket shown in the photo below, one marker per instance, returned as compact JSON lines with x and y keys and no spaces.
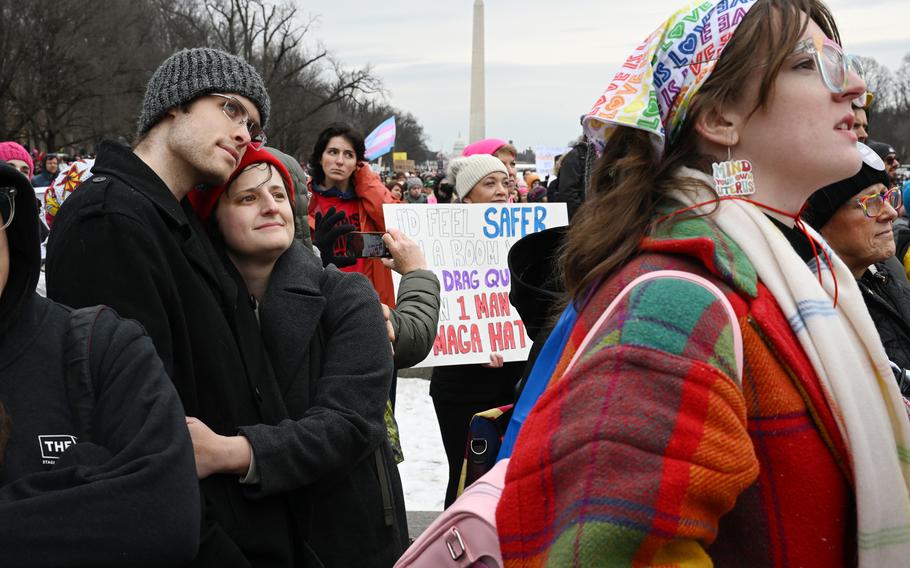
{"x":388,"y":508}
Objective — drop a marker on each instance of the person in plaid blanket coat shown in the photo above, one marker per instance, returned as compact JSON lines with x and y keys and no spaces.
{"x":649,"y":451}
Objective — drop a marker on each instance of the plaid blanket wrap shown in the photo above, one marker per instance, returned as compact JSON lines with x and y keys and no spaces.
{"x":648,"y":454}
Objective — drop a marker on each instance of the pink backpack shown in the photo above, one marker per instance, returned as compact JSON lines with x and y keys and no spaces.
{"x":464,"y":535}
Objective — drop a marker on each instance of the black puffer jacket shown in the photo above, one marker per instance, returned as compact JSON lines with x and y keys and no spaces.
{"x":887,"y":297}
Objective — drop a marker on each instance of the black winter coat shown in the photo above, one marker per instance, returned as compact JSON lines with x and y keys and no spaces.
{"x":570,"y":185}
{"x":887,"y":297}
{"x":335,"y":386}
{"x":122,"y":239}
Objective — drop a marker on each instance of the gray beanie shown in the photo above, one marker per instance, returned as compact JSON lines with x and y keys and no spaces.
{"x":299,"y":179}
{"x":414,"y":182}
{"x":191,"y":73}
{"x":465,"y":173}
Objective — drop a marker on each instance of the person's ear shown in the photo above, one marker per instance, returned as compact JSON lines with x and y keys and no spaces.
{"x":466,"y":199}
{"x":719,"y":127}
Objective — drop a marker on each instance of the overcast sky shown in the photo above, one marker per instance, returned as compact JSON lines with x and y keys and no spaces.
{"x":546,"y":61}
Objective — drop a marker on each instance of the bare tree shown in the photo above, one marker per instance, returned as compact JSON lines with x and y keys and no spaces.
{"x":72,"y":79}
{"x":879,"y":80}
{"x":74,"y":71}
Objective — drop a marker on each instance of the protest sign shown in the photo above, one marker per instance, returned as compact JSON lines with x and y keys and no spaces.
{"x":404,"y":166}
{"x":467,"y":247}
{"x":545,"y":159}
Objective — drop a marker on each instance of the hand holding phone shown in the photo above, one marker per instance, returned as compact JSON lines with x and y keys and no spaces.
{"x":406,"y":253}
{"x":366,"y":245}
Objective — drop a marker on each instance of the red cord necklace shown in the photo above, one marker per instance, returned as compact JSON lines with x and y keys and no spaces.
{"x":797,"y":222}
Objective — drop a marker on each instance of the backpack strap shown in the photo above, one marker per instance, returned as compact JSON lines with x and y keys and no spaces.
{"x":680,"y":275}
{"x":78,"y":380}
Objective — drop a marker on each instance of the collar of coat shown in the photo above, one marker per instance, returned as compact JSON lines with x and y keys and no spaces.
{"x":122,"y":163}
{"x":701,"y":238}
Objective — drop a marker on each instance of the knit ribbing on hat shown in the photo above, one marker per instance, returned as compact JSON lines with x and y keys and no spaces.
{"x":467,"y":172}
{"x":824,"y":203}
{"x":191,"y":73}
{"x":487,"y":146}
{"x":204,"y":200}
{"x":15,"y":151}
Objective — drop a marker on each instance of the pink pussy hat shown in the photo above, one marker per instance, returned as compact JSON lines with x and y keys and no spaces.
{"x":487,"y":146}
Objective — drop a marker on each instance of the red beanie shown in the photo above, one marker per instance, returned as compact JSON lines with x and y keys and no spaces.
{"x":203,"y":200}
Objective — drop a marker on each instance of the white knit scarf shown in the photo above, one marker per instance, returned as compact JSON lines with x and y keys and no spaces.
{"x":846,"y":352}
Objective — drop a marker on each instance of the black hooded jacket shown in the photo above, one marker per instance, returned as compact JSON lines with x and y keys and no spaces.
{"x":129,"y":496}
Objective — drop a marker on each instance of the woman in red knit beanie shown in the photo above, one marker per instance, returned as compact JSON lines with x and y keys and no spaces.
{"x":326,"y":340}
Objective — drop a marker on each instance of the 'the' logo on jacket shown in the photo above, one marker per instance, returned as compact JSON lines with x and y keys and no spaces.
{"x":53,"y":446}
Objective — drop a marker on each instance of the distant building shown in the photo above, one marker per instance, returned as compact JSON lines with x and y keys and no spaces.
{"x":458,"y":147}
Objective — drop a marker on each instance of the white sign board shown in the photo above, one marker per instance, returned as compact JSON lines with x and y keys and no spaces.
{"x":39,"y":195}
{"x":545,"y":159}
{"x":467,"y":247}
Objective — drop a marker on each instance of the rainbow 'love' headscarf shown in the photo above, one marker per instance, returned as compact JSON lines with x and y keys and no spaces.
{"x":653,"y":88}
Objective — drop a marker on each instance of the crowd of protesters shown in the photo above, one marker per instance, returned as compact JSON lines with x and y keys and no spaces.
{"x":720,"y":372}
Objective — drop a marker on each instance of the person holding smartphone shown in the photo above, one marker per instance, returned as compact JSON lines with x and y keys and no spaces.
{"x":342,"y":181}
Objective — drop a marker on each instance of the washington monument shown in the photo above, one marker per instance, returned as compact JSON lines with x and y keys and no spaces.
{"x":477,"y":128}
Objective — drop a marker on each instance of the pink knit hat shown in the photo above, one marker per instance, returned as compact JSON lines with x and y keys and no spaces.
{"x":15,"y":151}
{"x":488,"y":146}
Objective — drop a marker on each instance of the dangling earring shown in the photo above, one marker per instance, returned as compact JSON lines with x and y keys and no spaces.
{"x":733,"y":177}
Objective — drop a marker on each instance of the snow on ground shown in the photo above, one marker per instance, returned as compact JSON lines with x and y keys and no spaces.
{"x":424,"y":471}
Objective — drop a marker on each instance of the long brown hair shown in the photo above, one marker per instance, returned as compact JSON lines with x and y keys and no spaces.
{"x":632,"y":178}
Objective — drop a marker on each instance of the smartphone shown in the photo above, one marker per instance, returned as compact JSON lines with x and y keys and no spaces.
{"x":366,"y":245}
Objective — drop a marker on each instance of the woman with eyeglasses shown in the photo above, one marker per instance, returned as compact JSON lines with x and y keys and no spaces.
{"x":855,"y":217}
{"x":657,"y":447}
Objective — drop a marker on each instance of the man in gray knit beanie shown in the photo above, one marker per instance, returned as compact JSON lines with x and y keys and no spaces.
{"x":190,"y":73}
{"x":129,"y":239}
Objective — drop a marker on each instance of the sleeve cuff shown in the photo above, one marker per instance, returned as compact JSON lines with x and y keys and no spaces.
{"x":252,"y":474}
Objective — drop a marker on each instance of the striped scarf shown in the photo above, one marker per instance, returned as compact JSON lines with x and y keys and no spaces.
{"x":846,"y":353}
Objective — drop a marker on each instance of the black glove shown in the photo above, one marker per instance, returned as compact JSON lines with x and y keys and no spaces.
{"x":328,"y":229}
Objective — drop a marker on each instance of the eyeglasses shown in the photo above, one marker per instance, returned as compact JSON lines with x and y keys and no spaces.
{"x":7,"y":205}
{"x":890,"y":160}
{"x":236,"y":112}
{"x":874,"y":205}
{"x":831,"y":61}
{"x":864,"y":101}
